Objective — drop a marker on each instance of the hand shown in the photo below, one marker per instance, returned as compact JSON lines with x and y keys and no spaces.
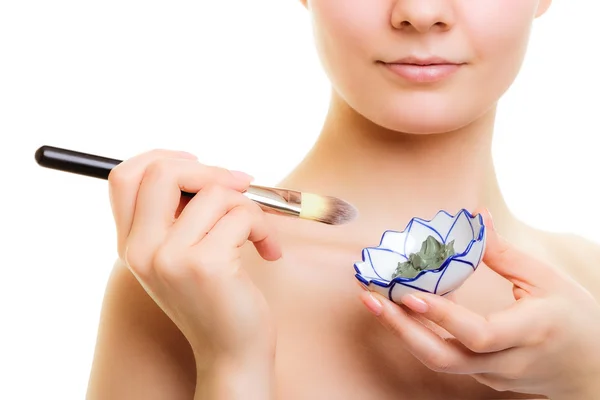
{"x":186,"y":254}
{"x":547,"y":342}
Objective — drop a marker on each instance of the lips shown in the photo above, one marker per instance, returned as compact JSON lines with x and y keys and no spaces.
{"x":423,"y":70}
{"x":423,"y":61}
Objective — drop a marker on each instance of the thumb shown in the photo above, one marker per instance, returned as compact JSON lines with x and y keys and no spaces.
{"x":519,"y":267}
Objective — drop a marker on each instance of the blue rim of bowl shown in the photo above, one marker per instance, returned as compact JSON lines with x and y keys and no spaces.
{"x":402,"y":280}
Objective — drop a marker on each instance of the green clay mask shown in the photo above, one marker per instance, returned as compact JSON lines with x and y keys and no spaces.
{"x":431,"y":256}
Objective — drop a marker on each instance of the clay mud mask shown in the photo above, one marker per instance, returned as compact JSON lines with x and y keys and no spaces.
{"x":431,"y":256}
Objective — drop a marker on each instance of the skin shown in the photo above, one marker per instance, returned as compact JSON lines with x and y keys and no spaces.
{"x":213,"y":299}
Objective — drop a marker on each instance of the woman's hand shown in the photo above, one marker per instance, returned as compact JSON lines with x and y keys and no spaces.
{"x":547,"y":342}
{"x":187,"y":257}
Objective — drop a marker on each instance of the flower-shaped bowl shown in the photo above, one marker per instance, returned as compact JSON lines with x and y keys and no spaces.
{"x":465,"y":231}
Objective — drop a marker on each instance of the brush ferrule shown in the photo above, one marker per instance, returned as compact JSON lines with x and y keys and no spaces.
{"x":283,"y":201}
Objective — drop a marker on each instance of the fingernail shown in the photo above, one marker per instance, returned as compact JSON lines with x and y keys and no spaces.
{"x":414,"y":303}
{"x":242,"y":176}
{"x":372,"y":304}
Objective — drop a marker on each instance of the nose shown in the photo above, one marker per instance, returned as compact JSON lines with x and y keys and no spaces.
{"x":422,"y":15}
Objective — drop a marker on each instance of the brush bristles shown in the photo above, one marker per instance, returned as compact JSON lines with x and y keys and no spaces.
{"x":326,"y":209}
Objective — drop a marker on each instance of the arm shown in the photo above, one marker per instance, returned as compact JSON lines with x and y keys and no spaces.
{"x":140,"y":353}
{"x":249,"y":379}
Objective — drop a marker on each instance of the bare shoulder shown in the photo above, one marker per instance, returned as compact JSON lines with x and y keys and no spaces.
{"x":578,"y":256}
{"x":139,"y":352}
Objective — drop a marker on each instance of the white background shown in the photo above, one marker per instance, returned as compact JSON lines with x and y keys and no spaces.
{"x":222,"y":79}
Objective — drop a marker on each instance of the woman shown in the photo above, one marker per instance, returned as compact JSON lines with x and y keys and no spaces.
{"x":223,"y":301}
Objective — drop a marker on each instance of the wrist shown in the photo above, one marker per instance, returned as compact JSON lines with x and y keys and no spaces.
{"x":231,"y":378}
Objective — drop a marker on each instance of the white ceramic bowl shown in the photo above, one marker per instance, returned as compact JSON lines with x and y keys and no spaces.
{"x":379,"y":263}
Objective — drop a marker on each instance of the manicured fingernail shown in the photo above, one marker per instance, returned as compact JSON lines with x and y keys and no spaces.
{"x":372,"y":303}
{"x":414,"y":303}
{"x":242,"y":176}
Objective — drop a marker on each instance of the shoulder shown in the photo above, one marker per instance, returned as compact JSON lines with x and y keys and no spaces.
{"x":578,"y":256}
{"x":572,"y":250}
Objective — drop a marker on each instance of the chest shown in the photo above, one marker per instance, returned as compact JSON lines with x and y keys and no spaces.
{"x":330,"y":347}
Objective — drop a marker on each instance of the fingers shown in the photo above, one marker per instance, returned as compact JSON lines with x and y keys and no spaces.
{"x":447,"y":355}
{"x":505,"y":370}
{"x":160,"y":192}
{"x":520,"y":268}
{"x":239,"y":225}
{"x":434,"y":352}
{"x":203,"y":244}
{"x":124,"y":181}
{"x":202,"y":213}
{"x":520,"y":325}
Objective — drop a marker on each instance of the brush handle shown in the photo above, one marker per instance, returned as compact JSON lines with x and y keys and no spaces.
{"x":79,"y":163}
{"x":276,"y":200}
{"x":75,"y":162}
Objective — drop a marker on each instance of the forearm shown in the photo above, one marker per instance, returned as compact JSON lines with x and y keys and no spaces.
{"x":250,"y":379}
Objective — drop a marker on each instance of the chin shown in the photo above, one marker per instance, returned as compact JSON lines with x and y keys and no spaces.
{"x":410,"y":124}
{"x":421,"y":114}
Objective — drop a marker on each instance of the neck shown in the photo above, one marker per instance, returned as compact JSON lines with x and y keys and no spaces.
{"x":391,"y":176}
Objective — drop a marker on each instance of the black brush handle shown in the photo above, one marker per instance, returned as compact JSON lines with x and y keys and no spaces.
{"x":78,"y":163}
{"x":75,"y":162}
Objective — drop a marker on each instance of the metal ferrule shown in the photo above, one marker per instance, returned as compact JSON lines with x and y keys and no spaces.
{"x":282,"y":201}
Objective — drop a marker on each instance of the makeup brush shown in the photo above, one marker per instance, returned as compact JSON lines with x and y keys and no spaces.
{"x":326,"y":209}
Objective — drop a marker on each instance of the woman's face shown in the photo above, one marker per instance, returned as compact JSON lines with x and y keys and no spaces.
{"x":422,"y":66}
